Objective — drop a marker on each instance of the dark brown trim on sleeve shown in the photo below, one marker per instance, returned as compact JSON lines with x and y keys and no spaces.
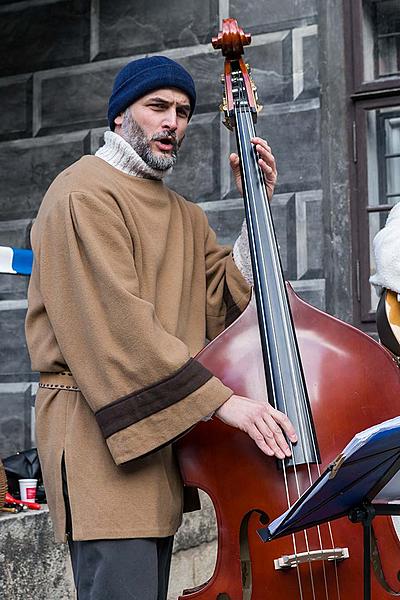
{"x":141,"y":404}
{"x":232,"y":309}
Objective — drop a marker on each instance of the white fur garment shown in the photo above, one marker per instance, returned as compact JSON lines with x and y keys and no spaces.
{"x":386,"y":247}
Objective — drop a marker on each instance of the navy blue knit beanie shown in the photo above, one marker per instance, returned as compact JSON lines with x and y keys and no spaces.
{"x":141,"y":76}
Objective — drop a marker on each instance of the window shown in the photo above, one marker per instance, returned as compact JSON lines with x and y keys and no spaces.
{"x":381,"y":38}
{"x":383,"y":174}
{"x":373,"y":55}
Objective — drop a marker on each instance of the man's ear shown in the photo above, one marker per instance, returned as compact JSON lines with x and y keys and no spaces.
{"x":118,"y":120}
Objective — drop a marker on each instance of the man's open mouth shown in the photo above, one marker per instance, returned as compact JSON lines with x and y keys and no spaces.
{"x":166,"y":143}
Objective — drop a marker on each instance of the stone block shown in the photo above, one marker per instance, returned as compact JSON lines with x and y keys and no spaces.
{"x":39,"y":160}
{"x":196,"y":174}
{"x":309,"y":235}
{"x":270,"y":59}
{"x":16,"y":106}
{"x":32,"y":564}
{"x":198,"y":527}
{"x":38,"y":35}
{"x":336,"y":158}
{"x":97,"y":139}
{"x":312,"y":291}
{"x":283,"y":207}
{"x":73,"y":98}
{"x":15,"y":233}
{"x":13,"y":287}
{"x":129,"y":28}
{"x":305,"y":62}
{"x":205,"y":68}
{"x":191,"y":568}
{"x":293,"y":132}
{"x":15,"y":418}
{"x":226,"y":218}
{"x":298,"y":225}
{"x":14,"y":356}
{"x":256,"y":16}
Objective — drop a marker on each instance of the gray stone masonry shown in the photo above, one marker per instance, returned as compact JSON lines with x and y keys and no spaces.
{"x":33,"y":567}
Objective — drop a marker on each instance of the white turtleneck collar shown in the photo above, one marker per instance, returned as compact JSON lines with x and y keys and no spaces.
{"x":119,"y":154}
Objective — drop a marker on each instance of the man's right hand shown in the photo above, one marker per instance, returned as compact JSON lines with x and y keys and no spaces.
{"x":262,"y":422}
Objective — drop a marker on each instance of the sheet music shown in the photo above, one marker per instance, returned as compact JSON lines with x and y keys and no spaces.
{"x":360,"y":438}
{"x":390,"y":493}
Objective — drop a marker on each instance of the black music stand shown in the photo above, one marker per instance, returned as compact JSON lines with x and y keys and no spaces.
{"x":358,"y":483}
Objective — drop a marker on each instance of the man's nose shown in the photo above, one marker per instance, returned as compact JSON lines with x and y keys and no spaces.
{"x":170,"y":120}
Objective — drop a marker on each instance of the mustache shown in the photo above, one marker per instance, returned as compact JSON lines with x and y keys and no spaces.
{"x":170,"y":136}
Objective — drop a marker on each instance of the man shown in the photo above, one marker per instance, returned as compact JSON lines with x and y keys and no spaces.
{"x":127,"y":283}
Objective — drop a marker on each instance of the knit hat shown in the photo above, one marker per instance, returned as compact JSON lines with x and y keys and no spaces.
{"x":141,"y":76}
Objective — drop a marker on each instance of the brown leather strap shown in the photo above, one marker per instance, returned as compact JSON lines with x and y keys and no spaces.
{"x":60,"y":381}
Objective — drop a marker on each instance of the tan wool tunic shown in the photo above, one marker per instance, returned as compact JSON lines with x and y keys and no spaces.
{"x":128,"y":281}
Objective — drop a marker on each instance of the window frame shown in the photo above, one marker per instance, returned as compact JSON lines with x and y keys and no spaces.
{"x":362,"y":96}
{"x":382,"y":85}
{"x":362,"y":207}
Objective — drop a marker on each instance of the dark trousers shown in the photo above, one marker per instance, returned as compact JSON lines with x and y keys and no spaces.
{"x":121,"y":569}
{"x":133,"y":569}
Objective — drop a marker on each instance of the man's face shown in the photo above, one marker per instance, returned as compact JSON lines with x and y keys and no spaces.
{"x":155,"y":126}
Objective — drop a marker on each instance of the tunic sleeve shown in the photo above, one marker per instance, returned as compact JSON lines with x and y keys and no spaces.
{"x":139,"y":380}
{"x":228,"y":292}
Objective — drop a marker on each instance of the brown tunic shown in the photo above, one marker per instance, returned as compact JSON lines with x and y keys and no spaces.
{"x":127,"y":282}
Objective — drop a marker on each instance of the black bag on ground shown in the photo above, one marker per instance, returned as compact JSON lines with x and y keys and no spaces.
{"x":24,"y":465}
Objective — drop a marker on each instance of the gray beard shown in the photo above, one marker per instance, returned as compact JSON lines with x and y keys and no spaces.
{"x":136,"y":137}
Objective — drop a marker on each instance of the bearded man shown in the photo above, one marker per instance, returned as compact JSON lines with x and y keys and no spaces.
{"x":128,"y":281}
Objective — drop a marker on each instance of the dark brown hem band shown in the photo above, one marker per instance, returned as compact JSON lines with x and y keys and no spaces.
{"x":141,"y":404}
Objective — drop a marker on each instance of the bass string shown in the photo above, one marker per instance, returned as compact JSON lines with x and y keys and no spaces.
{"x":239,"y":122}
{"x":251,"y":132}
{"x":285,"y":307}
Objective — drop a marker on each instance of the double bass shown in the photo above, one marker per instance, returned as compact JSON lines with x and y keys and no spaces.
{"x":332,"y":381}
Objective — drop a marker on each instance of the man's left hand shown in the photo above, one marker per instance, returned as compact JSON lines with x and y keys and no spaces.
{"x":266,"y":161}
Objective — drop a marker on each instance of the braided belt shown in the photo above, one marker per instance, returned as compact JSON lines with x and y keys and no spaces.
{"x":58,"y":381}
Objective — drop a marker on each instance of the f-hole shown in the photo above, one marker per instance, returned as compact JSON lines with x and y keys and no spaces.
{"x":245,"y":561}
